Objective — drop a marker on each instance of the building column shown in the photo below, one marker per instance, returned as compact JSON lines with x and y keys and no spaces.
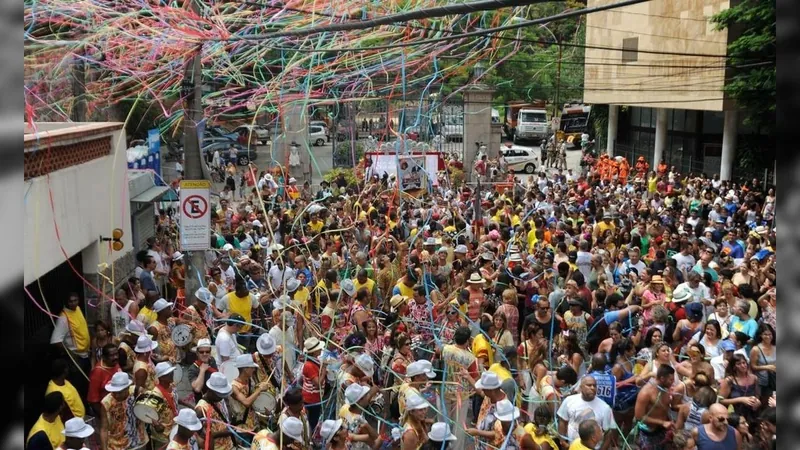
{"x":477,"y":124}
{"x":613,"y":118}
{"x":661,"y":137}
{"x":729,"y":135}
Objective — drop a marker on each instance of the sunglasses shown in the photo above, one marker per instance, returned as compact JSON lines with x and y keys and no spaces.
{"x":204,"y":352}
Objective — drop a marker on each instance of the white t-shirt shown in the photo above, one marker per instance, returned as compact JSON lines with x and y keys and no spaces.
{"x":159,"y":261}
{"x":584,"y":263}
{"x":226,"y":345}
{"x":277,"y":276}
{"x":685,"y":262}
{"x":574,"y":409}
{"x":286,"y":340}
{"x":699,"y":293}
{"x":639,"y":266}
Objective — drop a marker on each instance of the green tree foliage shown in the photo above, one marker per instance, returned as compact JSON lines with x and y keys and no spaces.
{"x":753,"y":52}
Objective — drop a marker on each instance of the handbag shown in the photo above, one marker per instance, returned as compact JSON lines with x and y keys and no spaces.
{"x":772,"y":377}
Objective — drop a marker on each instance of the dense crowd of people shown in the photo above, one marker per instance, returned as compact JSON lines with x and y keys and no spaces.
{"x":568,"y":312}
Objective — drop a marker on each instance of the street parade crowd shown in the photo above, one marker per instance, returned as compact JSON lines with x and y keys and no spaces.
{"x":615,"y":308}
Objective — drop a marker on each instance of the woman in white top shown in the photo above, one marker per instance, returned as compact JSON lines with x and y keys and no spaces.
{"x":709,"y":337}
{"x":122,"y":310}
{"x":722,"y":315}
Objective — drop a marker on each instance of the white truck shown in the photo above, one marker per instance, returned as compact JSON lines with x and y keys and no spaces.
{"x":531,"y":125}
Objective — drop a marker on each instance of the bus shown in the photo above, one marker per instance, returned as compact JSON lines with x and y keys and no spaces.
{"x":574,"y":122}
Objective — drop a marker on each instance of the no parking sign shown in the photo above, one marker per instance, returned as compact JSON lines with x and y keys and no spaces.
{"x":195,"y":224}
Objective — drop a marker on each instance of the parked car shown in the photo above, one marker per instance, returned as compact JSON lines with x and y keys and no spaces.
{"x":317,"y":135}
{"x":519,"y":159}
{"x":243,"y":155}
{"x":261,"y":133}
{"x":221,"y":132}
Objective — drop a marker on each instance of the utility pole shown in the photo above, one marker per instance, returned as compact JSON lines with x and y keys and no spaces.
{"x":78,"y":88}
{"x":556,"y":106}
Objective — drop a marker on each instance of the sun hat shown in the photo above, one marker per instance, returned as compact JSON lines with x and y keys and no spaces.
{"x":657,"y":279}
{"x":187,"y":418}
{"x":145,"y":345}
{"x":119,"y":381}
{"x":476,"y":278}
{"x":397,"y":300}
{"x":161,"y":304}
{"x":430,"y":241}
{"x":245,"y":361}
{"x":489,"y":380}
{"x":281,"y":302}
{"x":135,"y":328}
{"x":515,"y":257}
{"x":505,"y":411}
{"x":461,"y":249}
{"x":487,"y":256}
{"x":219,"y":383}
{"x":263,"y":242}
{"x":164,"y":368}
{"x":366,"y":364}
{"x":419,"y":367}
{"x":312,"y":344}
{"x":293,"y":427}
{"x":205,"y":343}
{"x":415,"y":401}
{"x":440,"y":432}
{"x":266,"y":344}
{"x":329,"y":429}
{"x":292,"y":284}
{"x":348,"y":287}
{"x":76,"y":427}
{"x":681,"y":294}
{"x":355,"y":392}
{"x":204,"y":295}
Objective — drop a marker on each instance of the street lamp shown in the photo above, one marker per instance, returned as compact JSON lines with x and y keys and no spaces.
{"x":478,"y":70}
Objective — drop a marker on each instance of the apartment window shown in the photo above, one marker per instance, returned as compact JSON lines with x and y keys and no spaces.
{"x":630,"y":49}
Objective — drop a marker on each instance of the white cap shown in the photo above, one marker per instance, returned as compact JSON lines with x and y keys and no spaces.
{"x":329,"y":429}
{"x":119,"y":381}
{"x":219,"y":383}
{"x":202,"y":343}
{"x":419,"y":367}
{"x":266,"y":344}
{"x":204,"y":295}
{"x":440,"y":432}
{"x":348,"y":287}
{"x":187,"y":418}
{"x":177,"y":256}
{"x":257,"y":223}
{"x":77,"y":428}
{"x":227,"y":247}
{"x":430,"y":241}
{"x":164,"y":368}
{"x":292,"y":180}
{"x":366,"y":364}
{"x":161,"y":304}
{"x":489,"y":380}
{"x":415,"y":401}
{"x":293,"y":427}
{"x":145,"y":345}
{"x":355,"y":392}
{"x":505,"y":411}
{"x":245,"y":361}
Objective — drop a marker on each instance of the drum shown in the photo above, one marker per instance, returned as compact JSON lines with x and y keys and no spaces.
{"x":229,"y":369}
{"x":265,"y":403}
{"x":146,"y":408}
{"x":177,"y":375}
{"x":182,"y":335}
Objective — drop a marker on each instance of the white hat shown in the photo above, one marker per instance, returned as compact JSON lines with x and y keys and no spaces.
{"x":440,"y":432}
{"x":681,"y":294}
{"x":430,"y":241}
{"x":204,"y":295}
{"x":135,"y":328}
{"x":366,"y":364}
{"x":245,"y":361}
{"x":275,"y":248}
{"x":77,"y":428}
{"x":397,"y":300}
{"x":293,"y":427}
{"x":311,"y":345}
{"x":227,"y":247}
{"x":281,"y":302}
{"x":397,"y":433}
{"x":355,"y":392}
{"x":489,"y":380}
{"x":348,"y":287}
{"x":187,"y":418}
{"x":292,"y":284}
{"x":177,"y":256}
{"x":476,"y":278}
{"x":263,"y":242}
{"x":415,"y":401}
{"x":292,"y":180}
{"x":266,"y":344}
{"x":164,"y":368}
{"x":219,"y":383}
{"x":119,"y":381}
{"x":329,"y":429}
{"x":257,"y":223}
{"x":202,"y":343}
{"x":515,"y":257}
{"x":145,"y":345}
{"x":461,"y":249}
{"x":419,"y":367}
{"x":161,"y":305}
{"x":505,"y":411}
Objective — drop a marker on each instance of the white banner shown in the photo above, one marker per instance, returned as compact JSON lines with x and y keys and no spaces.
{"x":388,"y":164}
{"x":195,"y":218}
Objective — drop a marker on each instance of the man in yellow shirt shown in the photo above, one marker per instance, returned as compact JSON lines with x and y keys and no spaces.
{"x":59,"y":383}
{"x":590,"y":436}
{"x":603,"y":225}
{"x":47,"y":430}
{"x":481,"y":346}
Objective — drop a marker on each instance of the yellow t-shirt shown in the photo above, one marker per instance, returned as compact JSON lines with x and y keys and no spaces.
{"x":532,"y":240}
{"x":481,"y":348}
{"x":148,"y":315}
{"x":652,"y":184}
{"x":301,"y":296}
{"x":241,"y":305}
{"x":52,"y":430}
{"x":71,"y":397}
{"x":578,"y":445}
{"x":408,"y":291}
{"x":450,"y":229}
{"x":369,"y":285}
{"x":515,"y":220}
{"x":501,"y":372}
{"x":540,"y":439}
{"x":316,"y":226}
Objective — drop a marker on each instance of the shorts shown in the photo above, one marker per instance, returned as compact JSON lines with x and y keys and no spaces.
{"x":655,"y":440}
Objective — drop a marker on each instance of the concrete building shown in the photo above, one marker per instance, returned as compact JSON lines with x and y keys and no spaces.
{"x":668,"y":106}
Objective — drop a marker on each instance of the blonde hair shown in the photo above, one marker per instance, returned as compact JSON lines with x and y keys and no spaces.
{"x":510,"y":295}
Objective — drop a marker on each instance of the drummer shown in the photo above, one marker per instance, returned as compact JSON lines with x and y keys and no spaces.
{"x":161,"y":329}
{"x":244,"y":394}
{"x":127,"y":357}
{"x":196,"y":316}
{"x":117,"y":414}
{"x":186,"y":427}
{"x":294,"y":408}
{"x":144,"y":372}
{"x":76,"y":431}
{"x":290,"y":435}
{"x":265,"y":359}
{"x":213,"y":410}
{"x":167,"y":409}
{"x":202,"y":368}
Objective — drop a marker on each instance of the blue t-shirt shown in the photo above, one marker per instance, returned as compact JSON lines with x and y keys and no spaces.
{"x":748,"y":327}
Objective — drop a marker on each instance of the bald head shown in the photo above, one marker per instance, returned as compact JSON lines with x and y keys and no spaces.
{"x":717,"y":408}
{"x":599,"y":362}
{"x":718,"y":416}
{"x":588,"y":388}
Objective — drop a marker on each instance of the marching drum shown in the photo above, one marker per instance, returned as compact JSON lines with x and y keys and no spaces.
{"x":229,"y":369}
{"x":182,"y":335}
{"x":265,"y":403}
{"x":146,"y":408}
{"x":177,"y":375}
